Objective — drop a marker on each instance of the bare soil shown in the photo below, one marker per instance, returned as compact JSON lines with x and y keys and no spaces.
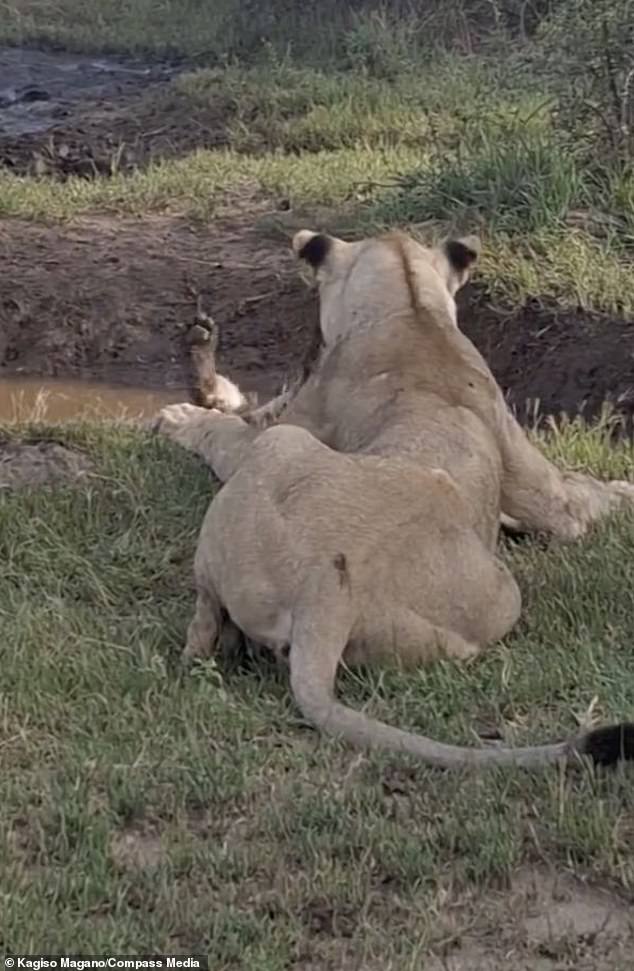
{"x":112,"y":300}
{"x":564,"y":359}
{"x":545,"y":921}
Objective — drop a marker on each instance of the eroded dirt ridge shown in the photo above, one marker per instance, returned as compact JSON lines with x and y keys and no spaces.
{"x":112,"y":300}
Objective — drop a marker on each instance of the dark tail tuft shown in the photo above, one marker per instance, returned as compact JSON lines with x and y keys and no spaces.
{"x":609,"y":745}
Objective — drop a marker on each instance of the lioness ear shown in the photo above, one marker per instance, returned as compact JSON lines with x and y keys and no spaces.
{"x":312,"y":248}
{"x":462,"y":253}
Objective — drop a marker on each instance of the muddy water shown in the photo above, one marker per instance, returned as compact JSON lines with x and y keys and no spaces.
{"x":57,"y":401}
{"x":38,"y":88}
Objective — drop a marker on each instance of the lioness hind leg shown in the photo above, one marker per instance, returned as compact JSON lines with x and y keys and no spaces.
{"x":400,"y":636}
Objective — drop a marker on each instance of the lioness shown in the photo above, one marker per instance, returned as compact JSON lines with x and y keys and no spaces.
{"x":363,"y":525}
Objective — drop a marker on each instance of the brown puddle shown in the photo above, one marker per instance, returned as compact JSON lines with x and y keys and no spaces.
{"x":36,"y":399}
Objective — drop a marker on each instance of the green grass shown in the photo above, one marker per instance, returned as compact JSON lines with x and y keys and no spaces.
{"x":185,"y":26}
{"x":146,"y":810}
{"x":364,"y":34}
{"x":217,"y":29}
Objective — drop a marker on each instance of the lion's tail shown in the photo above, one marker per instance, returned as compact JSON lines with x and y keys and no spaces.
{"x":320,"y":633}
{"x":605,"y":746}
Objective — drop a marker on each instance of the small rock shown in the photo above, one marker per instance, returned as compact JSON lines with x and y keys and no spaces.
{"x":33,"y":94}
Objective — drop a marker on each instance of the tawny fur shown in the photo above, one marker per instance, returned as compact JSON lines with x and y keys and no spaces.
{"x":363,"y":525}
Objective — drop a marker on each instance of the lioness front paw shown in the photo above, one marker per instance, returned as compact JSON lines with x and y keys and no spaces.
{"x":175,"y":421}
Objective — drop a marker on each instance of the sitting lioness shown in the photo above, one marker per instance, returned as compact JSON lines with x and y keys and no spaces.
{"x":363,"y":525}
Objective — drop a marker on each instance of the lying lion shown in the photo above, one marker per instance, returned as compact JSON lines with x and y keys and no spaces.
{"x":362,"y":526}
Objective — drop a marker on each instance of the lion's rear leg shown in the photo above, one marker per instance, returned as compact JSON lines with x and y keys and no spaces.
{"x":400,"y":636}
{"x":543,"y":499}
{"x":478,"y":603}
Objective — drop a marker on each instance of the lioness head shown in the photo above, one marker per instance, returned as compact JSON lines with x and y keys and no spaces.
{"x":370,"y":280}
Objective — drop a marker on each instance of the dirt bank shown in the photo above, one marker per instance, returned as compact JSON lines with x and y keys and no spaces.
{"x":566,"y":360}
{"x":111,"y":299}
